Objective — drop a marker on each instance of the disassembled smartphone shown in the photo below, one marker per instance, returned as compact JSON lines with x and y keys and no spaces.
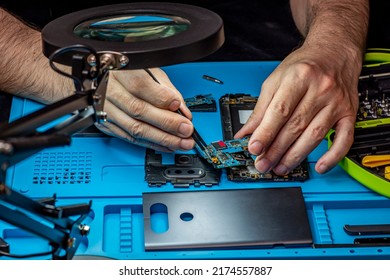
{"x":231,"y":154}
{"x":235,"y":110}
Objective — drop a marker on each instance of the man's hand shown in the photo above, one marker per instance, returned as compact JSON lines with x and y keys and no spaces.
{"x":144,"y":112}
{"x":313,"y":89}
{"x":309,"y":93}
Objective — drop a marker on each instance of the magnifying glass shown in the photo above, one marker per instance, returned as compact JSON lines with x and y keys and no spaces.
{"x":150,"y":34}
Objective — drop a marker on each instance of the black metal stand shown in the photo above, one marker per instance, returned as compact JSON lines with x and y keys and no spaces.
{"x":21,"y":139}
{"x":63,"y":233}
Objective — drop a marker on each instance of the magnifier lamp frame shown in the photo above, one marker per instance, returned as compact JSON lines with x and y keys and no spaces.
{"x":204,"y":35}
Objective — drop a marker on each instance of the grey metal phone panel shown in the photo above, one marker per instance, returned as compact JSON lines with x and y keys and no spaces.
{"x":229,"y":218}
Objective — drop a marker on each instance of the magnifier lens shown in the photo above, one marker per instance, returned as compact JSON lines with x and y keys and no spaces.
{"x":149,"y":34}
{"x":131,"y":28}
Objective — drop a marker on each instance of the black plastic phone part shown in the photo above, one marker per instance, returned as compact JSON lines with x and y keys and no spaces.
{"x":187,"y":170}
{"x":367,"y":229}
{"x":375,"y":241}
{"x":4,"y":246}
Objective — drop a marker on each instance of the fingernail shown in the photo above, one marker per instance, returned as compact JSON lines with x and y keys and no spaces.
{"x":187,"y":144}
{"x":322,"y":168}
{"x":174,"y":106}
{"x":263,"y":165}
{"x":256,"y":148}
{"x":185,"y":129}
{"x":281,"y":169}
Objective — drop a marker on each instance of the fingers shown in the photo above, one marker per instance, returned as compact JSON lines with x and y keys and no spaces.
{"x":143,"y":133}
{"x":302,"y":134}
{"x":282,"y":105}
{"x":267,"y":91}
{"x":340,"y":147}
{"x":303,"y":143}
{"x":114,"y":130}
{"x":163,"y":78}
{"x":145,"y":112}
{"x":294,"y":130}
{"x":141,"y":107}
{"x":296,"y":116}
{"x":140,"y":84}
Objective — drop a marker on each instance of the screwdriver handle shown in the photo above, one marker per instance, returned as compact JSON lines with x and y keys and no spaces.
{"x":376,"y":160}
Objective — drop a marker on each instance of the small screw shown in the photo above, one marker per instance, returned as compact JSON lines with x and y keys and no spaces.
{"x":101,"y":116}
{"x":124,"y":60}
{"x":96,"y":98}
{"x":212,"y":79}
{"x":6,"y":148}
{"x":71,"y":242}
{"x":91,"y":60}
{"x":84,"y":229}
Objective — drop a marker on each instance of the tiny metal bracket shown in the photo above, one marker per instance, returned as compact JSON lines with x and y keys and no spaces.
{"x":99,"y":97}
{"x":201,"y":103}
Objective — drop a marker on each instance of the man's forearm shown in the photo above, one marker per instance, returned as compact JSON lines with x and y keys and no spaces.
{"x":24,"y":70}
{"x":330,"y":22}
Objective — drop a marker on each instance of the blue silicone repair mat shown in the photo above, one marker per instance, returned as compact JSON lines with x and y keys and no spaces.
{"x":111,"y":173}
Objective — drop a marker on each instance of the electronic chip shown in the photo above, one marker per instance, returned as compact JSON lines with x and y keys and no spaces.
{"x":235,"y":143}
{"x":225,"y":151}
{"x":219,"y":145}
